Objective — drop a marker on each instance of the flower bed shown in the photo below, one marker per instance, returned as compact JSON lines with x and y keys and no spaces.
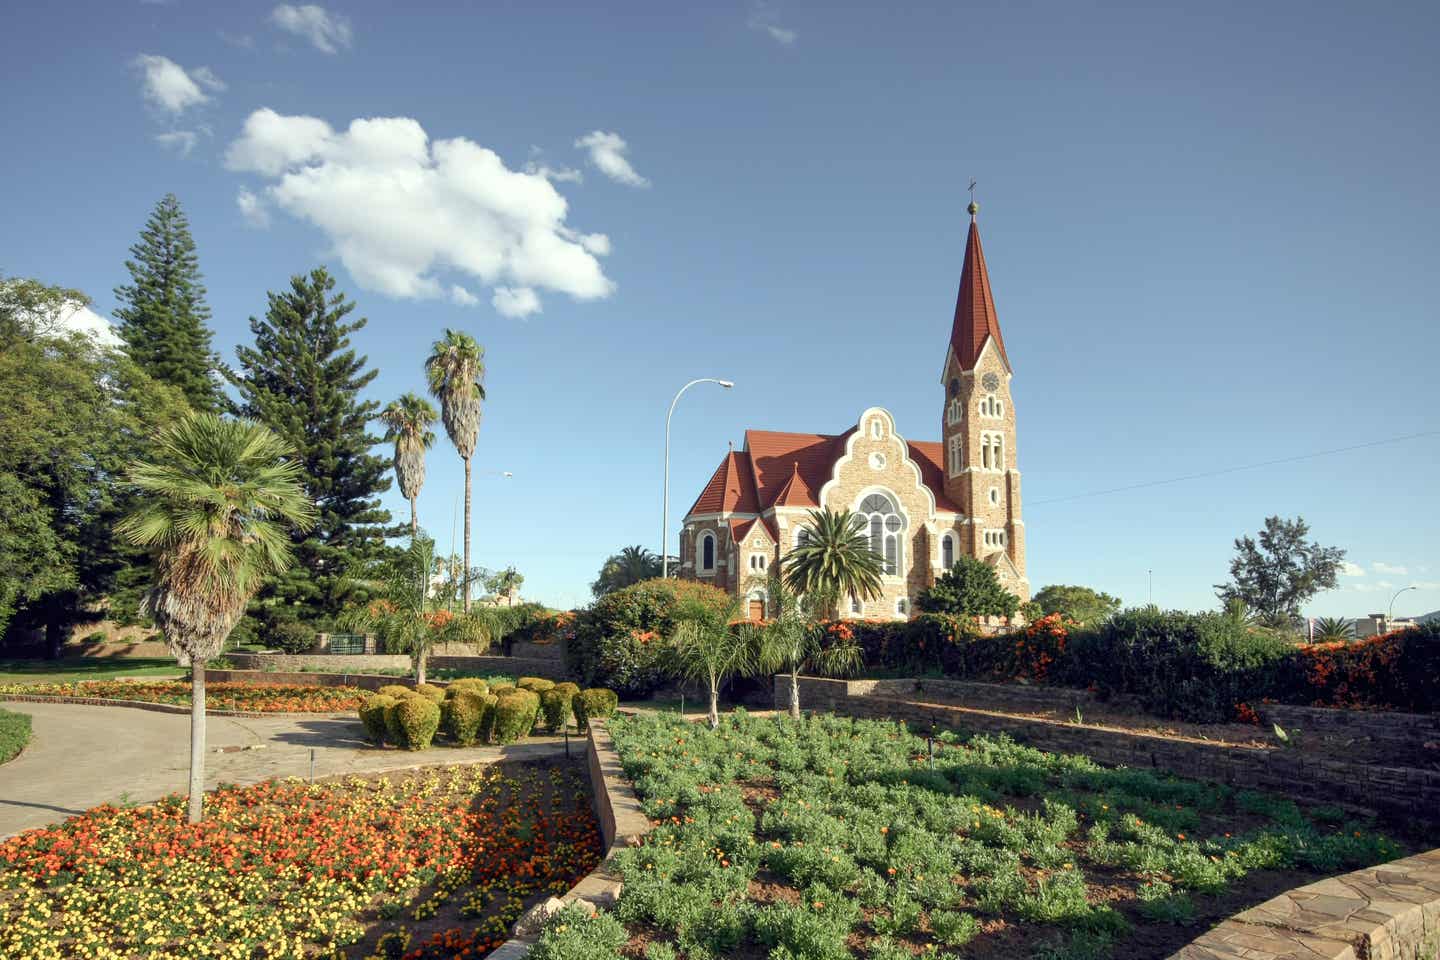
{"x":436,"y":864}
{"x":836,"y":838}
{"x":239,"y":697}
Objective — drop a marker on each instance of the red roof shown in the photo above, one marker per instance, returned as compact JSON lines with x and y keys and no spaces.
{"x":788,"y":470}
{"x":974,"y":307}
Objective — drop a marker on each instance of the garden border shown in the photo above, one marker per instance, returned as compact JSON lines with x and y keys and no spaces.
{"x":170,"y":707}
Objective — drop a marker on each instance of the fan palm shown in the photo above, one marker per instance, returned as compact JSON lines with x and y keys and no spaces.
{"x":407,"y":425}
{"x":627,"y":567}
{"x":402,"y":615}
{"x":794,"y":636}
{"x":834,"y":562}
{"x":455,"y":369}
{"x":1330,"y":629}
{"x":215,"y":505}
{"x":708,"y":648}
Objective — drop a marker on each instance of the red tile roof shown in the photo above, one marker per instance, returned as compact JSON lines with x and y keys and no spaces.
{"x":974,"y":307}
{"x":731,"y":488}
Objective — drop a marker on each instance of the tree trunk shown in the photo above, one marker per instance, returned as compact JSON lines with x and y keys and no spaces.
{"x":197,"y":740}
{"x":415,"y":521}
{"x":54,"y":635}
{"x":714,"y":716}
{"x":465,"y":595}
{"x":795,"y":693}
{"x":420,"y":667}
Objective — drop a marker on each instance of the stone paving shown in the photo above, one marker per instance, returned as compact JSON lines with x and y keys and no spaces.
{"x":81,"y":756}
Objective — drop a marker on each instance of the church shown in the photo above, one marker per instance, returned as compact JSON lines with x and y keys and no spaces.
{"x":923,"y":503}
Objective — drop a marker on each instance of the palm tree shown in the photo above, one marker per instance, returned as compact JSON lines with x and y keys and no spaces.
{"x":506,"y":583}
{"x":709,"y":648}
{"x":794,"y":636}
{"x":216,"y":506}
{"x":625,"y":568}
{"x":455,"y":367}
{"x":403,"y":615}
{"x":407,"y":424}
{"x":1331,"y":629}
{"x":834,"y":561}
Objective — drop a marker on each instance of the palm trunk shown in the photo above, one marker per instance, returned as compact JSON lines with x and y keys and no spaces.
{"x":714,"y":702}
{"x":465,"y":595}
{"x":197,"y":740}
{"x":795,"y":692}
{"x":420,"y":668}
{"x":415,"y":521}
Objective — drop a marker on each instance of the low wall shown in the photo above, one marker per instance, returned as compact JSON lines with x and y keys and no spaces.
{"x":536,"y":651}
{"x":360,"y":663}
{"x":1396,"y":790}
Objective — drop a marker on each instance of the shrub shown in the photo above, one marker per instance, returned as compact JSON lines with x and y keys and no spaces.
{"x":14,"y":734}
{"x":396,"y":690}
{"x":1398,"y":670}
{"x":463,"y":713}
{"x":430,"y":692}
{"x":418,"y":719}
{"x":535,"y":684}
{"x":574,"y":934}
{"x":572,"y":688}
{"x":556,"y":706}
{"x":597,"y":703}
{"x":971,"y":588}
{"x":394,"y":732}
{"x":515,"y":715}
{"x":620,"y":641}
{"x":291,"y":636}
{"x":486,"y":730}
{"x":372,"y":715}
{"x":500,"y":689}
{"x":472,"y":684}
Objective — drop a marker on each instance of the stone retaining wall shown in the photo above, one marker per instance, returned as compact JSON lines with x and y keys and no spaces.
{"x":360,"y":663}
{"x":536,"y":651}
{"x":1397,"y":790}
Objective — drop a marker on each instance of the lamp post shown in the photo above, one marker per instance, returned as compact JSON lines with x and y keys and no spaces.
{"x":665,"y":509}
{"x":1391,"y":614}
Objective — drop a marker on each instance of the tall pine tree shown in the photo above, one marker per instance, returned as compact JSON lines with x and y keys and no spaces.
{"x":162,"y":312}
{"x":302,"y":380}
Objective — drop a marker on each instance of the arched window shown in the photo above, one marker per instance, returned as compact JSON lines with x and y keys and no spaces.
{"x":876,"y":429}
{"x":855,"y":606}
{"x":954,"y":411}
{"x":902,"y":606}
{"x":954,"y":386}
{"x":802,"y":537}
{"x":706,"y":549}
{"x":956,"y":455}
{"x":885,"y":527}
{"x":757,"y":562}
{"x":947,"y":551}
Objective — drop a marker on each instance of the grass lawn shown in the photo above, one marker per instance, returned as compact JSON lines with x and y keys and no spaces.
{"x":86,"y":668}
{"x":836,"y":838}
{"x":433,"y":864}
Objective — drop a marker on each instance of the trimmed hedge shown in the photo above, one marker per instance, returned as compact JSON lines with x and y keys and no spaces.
{"x":418,"y":718}
{"x":14,"y":734}
{"x":430,"y":692}
{"x":555,"y":705}
{"x":464,"y":713}
{"x":594,"y":704}
{"x":535,"y":684}
{"x":372,"y":715}
{"x":515,"y":716}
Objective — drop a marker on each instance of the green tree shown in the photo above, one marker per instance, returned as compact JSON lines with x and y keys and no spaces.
{"x":1332,"y":629}
{"x":31,"y":310}
{"x":303,"y":381}
{"x":834,"y":562}
{"x":455,"y":371}
{"x":708,"y":648}
{"x":215,"y":504}
{"x":401,"y":612}
{"x":969,"y":589}
{"x":407,"y":425}
{"x":505,"y":583}
{"x":1282,"y":571}
{"x":1081,"y":604}
{"x":162,"y":311}
{"x":75,"y":413}
{"x":620,"y":570}
{"x":794,"y":636}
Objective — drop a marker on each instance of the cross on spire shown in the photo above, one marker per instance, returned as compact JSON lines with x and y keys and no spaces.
{"x":974,"y":207}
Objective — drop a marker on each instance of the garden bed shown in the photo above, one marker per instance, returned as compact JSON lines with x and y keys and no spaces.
{"x":219,"y":697}
{"x":835,"y":838}
{"x":437,"y":863}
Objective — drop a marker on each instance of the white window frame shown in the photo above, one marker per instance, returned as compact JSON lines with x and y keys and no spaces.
{"x":887,"y":534}
{"x":949,"y":540}
{"x":954,"y":411}
{"x":956,"y":455}
{"x":700,"y":552}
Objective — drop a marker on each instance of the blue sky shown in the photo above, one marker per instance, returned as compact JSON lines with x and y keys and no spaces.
{"x":1211,"y":229}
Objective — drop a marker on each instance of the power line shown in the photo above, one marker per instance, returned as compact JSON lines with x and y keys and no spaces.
{"x":1248,"y":466}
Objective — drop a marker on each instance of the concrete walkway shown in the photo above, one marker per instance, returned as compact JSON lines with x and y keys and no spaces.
{"x":82,"y":756}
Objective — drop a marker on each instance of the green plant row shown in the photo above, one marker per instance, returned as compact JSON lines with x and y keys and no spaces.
{"x":14,"y":734}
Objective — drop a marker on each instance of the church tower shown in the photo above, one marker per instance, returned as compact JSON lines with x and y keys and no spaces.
{"x":978,"y":427}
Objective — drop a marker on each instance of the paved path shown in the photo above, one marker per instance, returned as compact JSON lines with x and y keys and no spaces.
{"x":82,"y":756}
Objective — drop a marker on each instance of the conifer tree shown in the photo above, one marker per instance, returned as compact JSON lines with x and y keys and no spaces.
{"x":303,"y":381}
{"x":162,"y":312}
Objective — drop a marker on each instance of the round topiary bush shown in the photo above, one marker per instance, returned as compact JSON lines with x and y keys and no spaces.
{"x":372,"y":715}
{"x":393,"y":731}
{"x":594,"y":704}
{"x":515,"y":715}
{"x":572,"y":688}
{"x":473,"y":684}
{"x":535,"y":684}
{"x":500,"y":689}
{"x":486,"y":731}
{"x":291,"y":636}
{"x":463,"y":713}
{"x":555,"y":705}
{"x":431,"y":692}
{"x":418,"y":719}
{"x":396,"y":690}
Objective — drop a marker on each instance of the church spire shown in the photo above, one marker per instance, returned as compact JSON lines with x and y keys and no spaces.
{"x":975,"y":306}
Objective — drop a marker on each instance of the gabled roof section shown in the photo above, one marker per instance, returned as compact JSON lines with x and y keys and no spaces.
{"x":796,"y":492}
{"x":731,"y":488}
{"x":928,"y":457}
{"x":975,"y":319}
{"x":740,"y":529}
{"x":776,"y":457}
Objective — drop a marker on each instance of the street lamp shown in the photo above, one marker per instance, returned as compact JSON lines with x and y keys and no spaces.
{"x":1391,"y":615}
{"x":665,"y":510}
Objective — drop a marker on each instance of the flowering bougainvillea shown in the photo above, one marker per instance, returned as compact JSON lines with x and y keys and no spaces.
{"x":289,"y":869}
{"x":244,"y":697}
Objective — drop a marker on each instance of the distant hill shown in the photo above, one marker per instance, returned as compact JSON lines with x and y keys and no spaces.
{"x":1430,"y":617}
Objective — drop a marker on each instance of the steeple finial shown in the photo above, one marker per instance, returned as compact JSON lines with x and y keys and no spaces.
{"x":974,"y":207}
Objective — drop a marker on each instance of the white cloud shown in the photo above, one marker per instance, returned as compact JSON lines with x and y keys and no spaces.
{"x":182,"y":140}
{"x":557,"y":174}
{"x":596,"y":243}
{"x":87,"y":321}
{"x":1381,"y":567}
{"x":253,"y":209}
{"x":766,"y":19}
{"x":327,"y":32}
{"x":400,"y":209}
{"x":167,"y":87}
{"x":462,"y":296}
{"x":607,"y":152}
{"x":1348,"y":569}
{"x":515,"y":301}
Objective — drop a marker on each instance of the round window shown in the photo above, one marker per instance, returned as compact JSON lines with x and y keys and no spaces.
{"x":877,"y":461}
